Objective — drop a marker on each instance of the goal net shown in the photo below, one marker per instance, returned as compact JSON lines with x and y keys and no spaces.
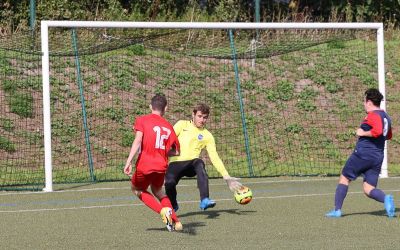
{"x":285,"y":98}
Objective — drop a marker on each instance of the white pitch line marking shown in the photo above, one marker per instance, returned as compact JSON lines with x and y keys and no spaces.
{"x":179,"y":185}
{"x":181,"y":202}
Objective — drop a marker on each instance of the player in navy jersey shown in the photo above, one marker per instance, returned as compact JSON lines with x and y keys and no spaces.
{"x":154,"y":137}
{"x":368,"y":156}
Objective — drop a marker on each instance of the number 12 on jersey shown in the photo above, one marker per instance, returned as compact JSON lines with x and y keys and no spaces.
{"x":162,"y":134}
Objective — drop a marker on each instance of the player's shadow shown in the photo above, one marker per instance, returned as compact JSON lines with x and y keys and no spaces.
{"x":188,"y":228}
{"x":191,"y":228}
{"x":213,"y":213}
{"x":375,"y":213}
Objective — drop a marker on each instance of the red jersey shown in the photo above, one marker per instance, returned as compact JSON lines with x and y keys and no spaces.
{"x":158,"y":138}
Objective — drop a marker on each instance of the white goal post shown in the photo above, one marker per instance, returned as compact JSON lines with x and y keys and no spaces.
{"x":45,"y":25}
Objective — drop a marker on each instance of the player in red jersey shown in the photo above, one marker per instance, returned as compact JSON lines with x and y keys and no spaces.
{"x":154,"y":137}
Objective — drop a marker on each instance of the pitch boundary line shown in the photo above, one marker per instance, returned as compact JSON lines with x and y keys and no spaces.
{"x":181,"y":202}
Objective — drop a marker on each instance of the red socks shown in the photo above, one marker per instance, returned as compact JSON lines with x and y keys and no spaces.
{"x":165,"y":202}
{"x":150,"y":201}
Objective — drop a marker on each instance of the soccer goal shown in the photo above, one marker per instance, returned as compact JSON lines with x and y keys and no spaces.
{"x":285,"y":98}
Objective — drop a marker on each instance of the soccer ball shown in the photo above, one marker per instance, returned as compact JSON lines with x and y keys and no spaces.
{"x":243,"y":196}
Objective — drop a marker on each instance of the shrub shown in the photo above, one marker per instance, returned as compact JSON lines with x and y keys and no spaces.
{"x":6,"y":144}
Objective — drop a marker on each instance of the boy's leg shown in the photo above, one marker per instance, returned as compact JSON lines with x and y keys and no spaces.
{"x":177,"y":225}
{"x":371,"y":177}
{"x":348,"y":173}
{"x":164,"y":200}
{"x":202,"y":178}
{"x":369,"y":185}
{"x":340,"y":195}
{"x":167,"y":213}
{"x":202,"y":184}
{"x":150,"y":201}
{"x":139,"y":187}
{"x":377,"y":195}
{"x":172,"y":176}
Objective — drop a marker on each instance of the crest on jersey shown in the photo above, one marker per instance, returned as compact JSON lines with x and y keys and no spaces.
{"x":200,"y":137}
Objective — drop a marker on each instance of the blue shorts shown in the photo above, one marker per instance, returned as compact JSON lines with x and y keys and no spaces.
{"x":356,"y":166}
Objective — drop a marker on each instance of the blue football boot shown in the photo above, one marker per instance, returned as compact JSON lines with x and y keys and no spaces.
{"x":207,"y":203}
{"x":334,"y":213}
{"x":389,"y":205}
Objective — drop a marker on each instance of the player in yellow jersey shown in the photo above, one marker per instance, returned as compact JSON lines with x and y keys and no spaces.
{"x":193,"y":138}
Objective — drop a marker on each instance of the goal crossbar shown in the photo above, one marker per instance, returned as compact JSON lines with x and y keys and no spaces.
{"x":208,"y":25}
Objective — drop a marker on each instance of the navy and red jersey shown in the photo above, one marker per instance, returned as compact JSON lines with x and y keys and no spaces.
{"x":380,"y":125}
{"x":158,"y":138}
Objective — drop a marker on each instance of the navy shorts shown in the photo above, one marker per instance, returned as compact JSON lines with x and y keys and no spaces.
{"x":369,"y":168}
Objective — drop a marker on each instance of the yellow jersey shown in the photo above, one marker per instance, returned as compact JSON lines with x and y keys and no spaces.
{"x":192,"y":140}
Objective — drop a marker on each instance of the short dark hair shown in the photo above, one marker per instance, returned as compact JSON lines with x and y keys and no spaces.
{"x":374,"y":96}
{"x":158,"y":102}
{"x":203,"y":108}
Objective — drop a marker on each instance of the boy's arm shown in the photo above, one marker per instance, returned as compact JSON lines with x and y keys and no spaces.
{"x":232,"y":182}
{"x":362,"y":132}
{"x":135,"y":146}
{"x":372,"y":126}
{"x":214,"y":157}
{"x":174,"y":147}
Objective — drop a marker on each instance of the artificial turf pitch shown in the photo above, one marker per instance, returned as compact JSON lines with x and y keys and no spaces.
{"x":285,"y":213}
